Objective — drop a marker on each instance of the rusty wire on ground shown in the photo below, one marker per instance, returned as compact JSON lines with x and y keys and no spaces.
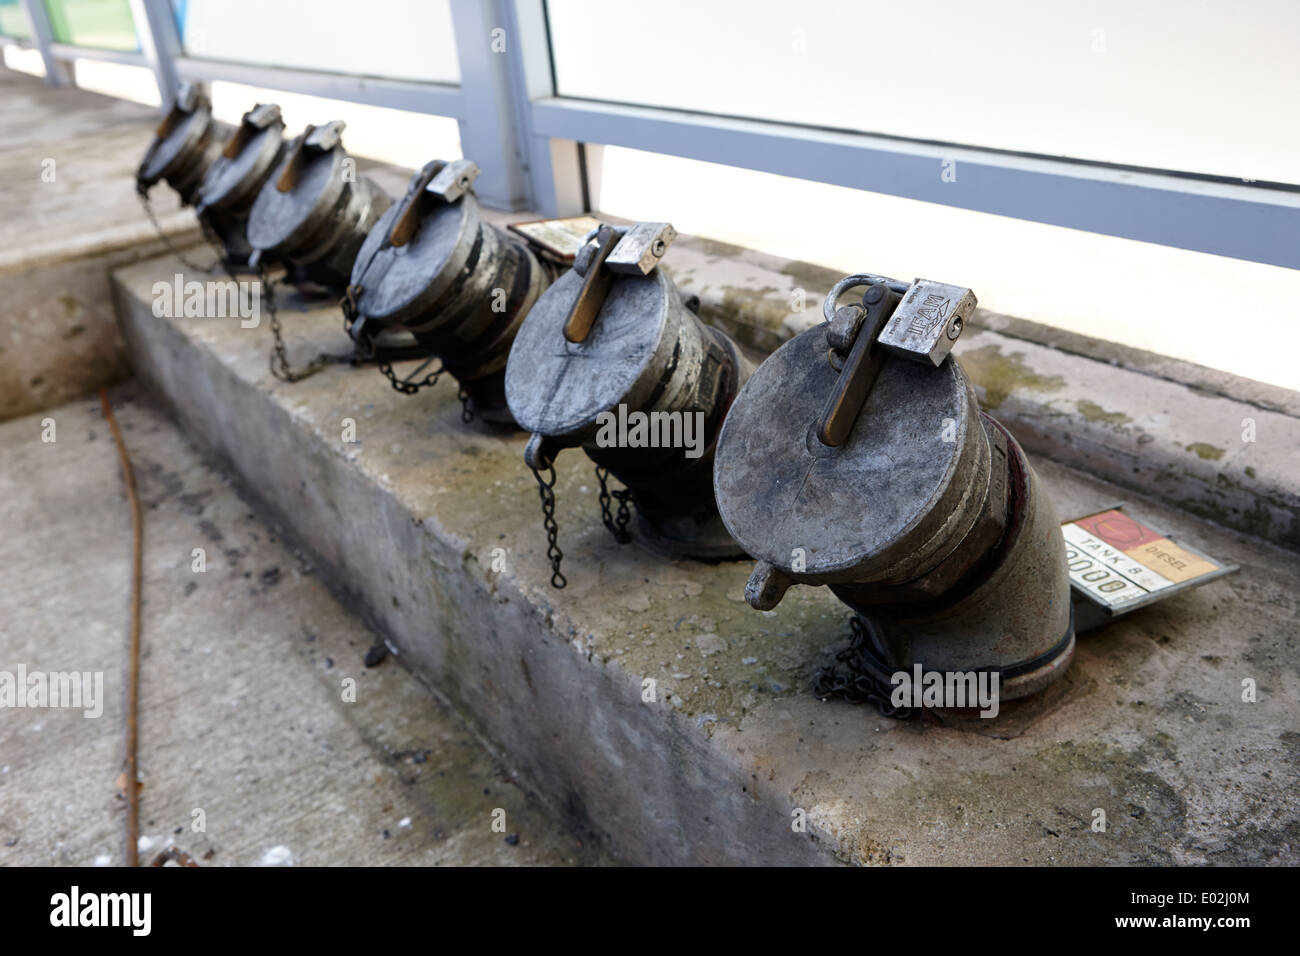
{"x":176,"y":855}
{"x":133,"y":666}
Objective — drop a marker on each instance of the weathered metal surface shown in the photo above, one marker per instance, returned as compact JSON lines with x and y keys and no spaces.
{"x":459,"y":286}
{"x":641,"y":248}
{"x":247,"y":159}
{"x":922,"y":514}
{"x":645,"y":352}
{"x":883,"y":500}
{"x":183,"y":148}
{"x":1006,"y":605}
{"x":596,"y":283}
{"x":321,"y":216}
{"x":242,"y":167}
{"x":852,"y":338}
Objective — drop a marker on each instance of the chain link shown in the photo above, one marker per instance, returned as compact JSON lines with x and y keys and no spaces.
{"x":617,"y":526}
{"x":171,"y":247}
{"x":854,"y":682}
{"x":546,"y":489}
{"x":409,"y":385}
{"x":367,"y":351}
{"x":280,"y":367}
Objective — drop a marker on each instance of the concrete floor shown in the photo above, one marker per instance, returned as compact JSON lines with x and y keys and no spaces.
{"x":242,"y":714}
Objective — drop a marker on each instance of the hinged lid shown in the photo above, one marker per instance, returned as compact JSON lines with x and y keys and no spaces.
{"x":178,"y":137}
{"x":556,"y":385}
{"x":914,"y":460}
{"x":303,"y":190}
{"x":403,"y":264}
{"x":245,"y":160}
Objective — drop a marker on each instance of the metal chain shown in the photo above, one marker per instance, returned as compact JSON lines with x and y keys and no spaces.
{"x":280,"y":367}
{"x":855,"y":683}
{"x":367,"y":351}
{"x":466,"y":415}
{"x":617,"y":527}
{"x":409,"y":385}
{"x":187,"y":262}
{"x":546,"y":489}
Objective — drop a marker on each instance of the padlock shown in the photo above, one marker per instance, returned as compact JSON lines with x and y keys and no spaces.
{"x":315,"y":210}
{"x":928,"y":320}
{"x":184,"y":146}
{"x":458,"y":287}
{"x":872,"y":470}
{"x":245,"y":163}
{"x":612,"y":360}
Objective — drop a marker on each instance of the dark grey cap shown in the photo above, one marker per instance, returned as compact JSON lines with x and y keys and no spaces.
{"x":282,"y":219}
{"x":912,"y":459}
{"x":246,"y":160}
{"x":402,"y":282}
{"x":556,"y":387}
{"x":179,"y":138}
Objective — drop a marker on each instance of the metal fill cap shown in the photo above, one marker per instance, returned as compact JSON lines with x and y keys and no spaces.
{"x":555,"y":386}
{"x":874,"y":501}
{"x":232,"y":179}
{"x":399,"y":282}
{"x":285,"y":218}
{"x":177,"y":139}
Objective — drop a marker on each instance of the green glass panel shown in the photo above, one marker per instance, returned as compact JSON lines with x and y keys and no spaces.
{"x":103,"y":24}
{"x":13,"y":20}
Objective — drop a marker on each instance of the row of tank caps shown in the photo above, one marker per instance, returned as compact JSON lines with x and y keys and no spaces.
{"x":564,"y":352}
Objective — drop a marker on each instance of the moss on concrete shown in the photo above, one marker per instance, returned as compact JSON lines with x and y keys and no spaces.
{"x":1093,"y":412}
{"x":1205,"y":450}
{"x":999,"y":375}
{"x":815,"y":280}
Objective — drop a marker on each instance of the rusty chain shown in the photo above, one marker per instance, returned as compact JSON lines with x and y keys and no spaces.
{"x":617,"y":526}
{"x":855,"y":683}
{"x":280,"y":367}
{"x":546,"y":489}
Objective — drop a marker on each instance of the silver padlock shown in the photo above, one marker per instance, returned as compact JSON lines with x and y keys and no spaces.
{"x":928,"y":321}
{"x":641,"y":248}
{"x":453,"y":180}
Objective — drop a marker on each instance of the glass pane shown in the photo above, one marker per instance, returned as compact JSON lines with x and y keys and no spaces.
{"x":1172,"y":301}
{"x":13,"y":20}
{"x":1206,"y":88}
{"x":396,"y":39}
{"x":104,"y":24}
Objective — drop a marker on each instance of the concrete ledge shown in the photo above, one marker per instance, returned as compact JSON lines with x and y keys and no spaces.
{"x":1149,"y":724}
{"x":68,"y":216}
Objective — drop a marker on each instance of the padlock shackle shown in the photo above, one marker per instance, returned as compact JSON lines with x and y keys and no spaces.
{"x":831,"y":302}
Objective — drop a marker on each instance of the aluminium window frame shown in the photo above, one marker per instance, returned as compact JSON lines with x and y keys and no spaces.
{"x":541,"y":151}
